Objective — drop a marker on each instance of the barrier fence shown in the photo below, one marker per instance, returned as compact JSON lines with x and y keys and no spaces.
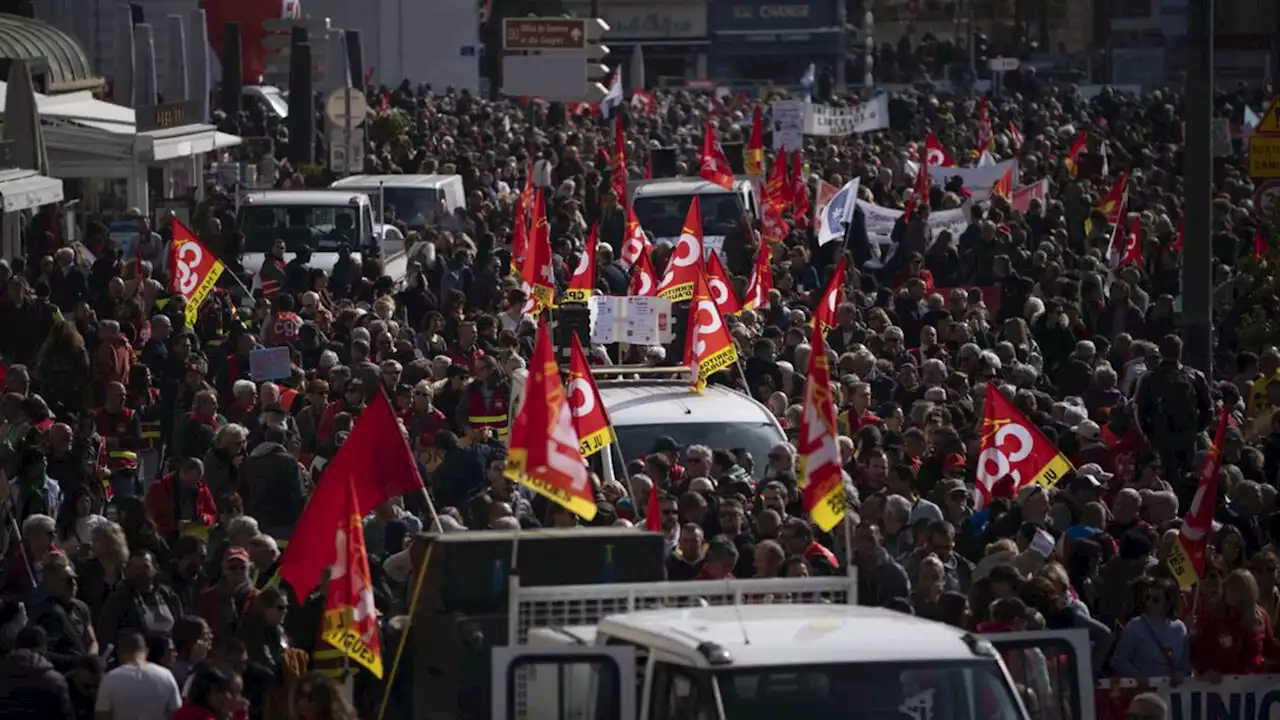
{"x":1236,"y":697}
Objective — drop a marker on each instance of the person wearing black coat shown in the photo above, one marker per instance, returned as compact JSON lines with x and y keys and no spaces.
{"x":30,"y":688}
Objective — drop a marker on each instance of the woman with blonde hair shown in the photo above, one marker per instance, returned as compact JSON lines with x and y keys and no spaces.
{"x":100,"y":574}
{"x":1233,"y":635}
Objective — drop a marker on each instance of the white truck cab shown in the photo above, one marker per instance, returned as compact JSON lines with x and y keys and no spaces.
{"x":320,"y":220}
{"x":661,"y":207}
{"x":416,"y":200}
{"x":773,"y":648}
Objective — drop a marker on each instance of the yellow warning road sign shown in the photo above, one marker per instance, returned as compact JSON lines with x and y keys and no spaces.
{"x":1270,"y":122}
{"x":1264,"y":156}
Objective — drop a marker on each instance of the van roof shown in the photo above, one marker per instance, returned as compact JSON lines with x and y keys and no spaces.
{"x":771,"y":635}
{"x":373,"y":181}
{"x":661,"y":402}
{"x":301,"y":197}
{"x":685,"y":186}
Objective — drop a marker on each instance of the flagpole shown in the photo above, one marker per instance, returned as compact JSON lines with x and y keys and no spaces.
{"x":408,"y":625}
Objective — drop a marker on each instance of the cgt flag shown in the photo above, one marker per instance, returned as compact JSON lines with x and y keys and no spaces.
{"x":350,"y":616}
{"x":721,"y":287}
{"x":713,"y":164}
{"x":760,"y":284}
{"x":590,"y":419}
{"x":1186,"y":560}
{"x":825,"y":316}
{"x":709,"y":348}
{"x":195,"y":269}
{"x":582,"y":284}
{"x":377,"y":462}
{"x":821,"y":481}
{"x":634,"y":241}
{"x":753,"y":157}
{"x":644,"y":283}
{"x":685,"y":264}
{"x":537,"y":278}
{"x":1011,"y":447}
{"x":543,"y":454}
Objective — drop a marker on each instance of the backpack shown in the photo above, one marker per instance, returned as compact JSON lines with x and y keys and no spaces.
{"x":1176,"y":401}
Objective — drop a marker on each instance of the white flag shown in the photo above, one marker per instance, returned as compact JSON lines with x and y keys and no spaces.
{"x":833,"y":218}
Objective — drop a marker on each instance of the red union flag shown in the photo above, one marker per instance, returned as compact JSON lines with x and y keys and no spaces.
{"x":582,"y":284}
{"x":1186,"y":561}
{"x":709,"y":348}
{"x":721,"y":287}
{"x":685,"y":263}
{"x":543,"y":453}
{"x":760,"y":283}
{"x":823,"y":485}
{"x":590,"y":419}
{"x":644,"y":283}
{"x":634,"y":242}
{"x":713,"y":164}
{"x":1013,"y":448}
{"x":350,"y":617}
{"x":195,"y":269}
{"x":825,"y":315}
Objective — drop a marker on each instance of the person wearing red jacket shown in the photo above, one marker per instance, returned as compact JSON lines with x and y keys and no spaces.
{"x":213,"y":694}
{"x":181,"y":500}
{"x":1232,"y":636}
{"x":351,"y":402}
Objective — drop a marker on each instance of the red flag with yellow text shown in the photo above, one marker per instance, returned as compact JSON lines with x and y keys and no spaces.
{"x":618,"y":167}
{"x":753,"y":155}
{"x":350,"y":616}
{"x":590,"y":419}
{"x":1079,"y":145}
{"x":537,"y":278}
{"x":686,"y":258}
{"x":543,"y":450}
{"x":821,"y":482}
{"x":709,"y":348}
{"x":1013,"y":447}
{"x":377,"y":462}
{"x":1186,"y":560}
{"x":582,"y":284}
{"x":195,"y":269}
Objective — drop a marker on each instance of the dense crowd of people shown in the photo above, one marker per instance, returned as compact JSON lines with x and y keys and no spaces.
{"x":152,"y":484}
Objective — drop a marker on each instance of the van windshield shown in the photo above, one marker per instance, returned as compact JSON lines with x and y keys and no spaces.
{"x":869,"y":691}
{"x":413,"y":206}
{"x":756,"y":438}
{"x":663,"y":216}
{"x":319,"y":227}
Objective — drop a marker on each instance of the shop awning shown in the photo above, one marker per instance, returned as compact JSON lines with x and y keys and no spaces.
{"x":182,"y":141}
{"x":27,"y":189}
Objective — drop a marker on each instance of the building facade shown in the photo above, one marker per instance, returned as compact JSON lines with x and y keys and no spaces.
{"x":775,"y":40}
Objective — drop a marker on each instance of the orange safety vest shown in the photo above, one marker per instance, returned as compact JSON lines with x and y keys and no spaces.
{"x":118,"y":459}
{"x":491,"y":414}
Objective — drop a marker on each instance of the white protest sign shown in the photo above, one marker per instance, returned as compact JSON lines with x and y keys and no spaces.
{"x":634,"y":320}
{"x":831,"y":121}
{"x":880,"y":221}
{"x":978,"y":180}
{"x":788,"y":124}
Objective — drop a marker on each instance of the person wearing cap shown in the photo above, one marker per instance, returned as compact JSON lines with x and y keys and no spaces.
{"x":666,"y":447}
{"x":228,"y":600}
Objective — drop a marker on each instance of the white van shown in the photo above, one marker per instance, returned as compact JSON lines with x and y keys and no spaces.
{"x":661,"y":207}
{"x":416,"y":200}
{"x":320,"y":220}
{"x":772,"y":648}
